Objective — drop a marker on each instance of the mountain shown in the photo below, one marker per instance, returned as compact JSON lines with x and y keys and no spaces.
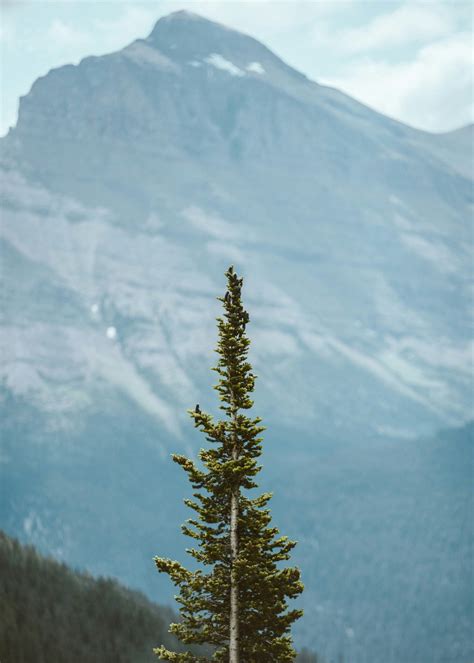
{"x":129,"y":184}
{"x":354,"y":237}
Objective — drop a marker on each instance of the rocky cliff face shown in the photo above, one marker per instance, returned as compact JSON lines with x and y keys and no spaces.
{"x":129,"y":184}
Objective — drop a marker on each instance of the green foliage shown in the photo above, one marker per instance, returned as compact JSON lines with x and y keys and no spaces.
{"x":229,"y":468}
{"x":50,"y":614}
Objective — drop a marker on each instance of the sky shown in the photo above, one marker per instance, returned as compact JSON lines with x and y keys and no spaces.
{"x":411,"y":60}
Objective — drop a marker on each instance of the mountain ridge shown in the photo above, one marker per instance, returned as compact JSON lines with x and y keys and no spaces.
{"x":187,"y":19}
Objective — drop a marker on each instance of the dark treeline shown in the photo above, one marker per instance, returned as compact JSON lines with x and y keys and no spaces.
{"x":50,"y":613}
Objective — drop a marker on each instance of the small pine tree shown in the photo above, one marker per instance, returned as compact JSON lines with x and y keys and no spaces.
{"x":237,"y":600}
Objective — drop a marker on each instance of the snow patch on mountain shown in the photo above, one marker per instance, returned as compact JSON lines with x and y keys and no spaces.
{"x":219,"y":62}
{"x":440,"y":355}
{"x":410,"y":373}
{"x":434,"y":252}
{"x":88,"y":358}
{"x":116,"y":369}
{"x":378,"y":369}
{"x":255,"y":68}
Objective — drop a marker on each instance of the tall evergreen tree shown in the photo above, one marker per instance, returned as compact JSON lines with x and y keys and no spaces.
{"x":237,"y":599}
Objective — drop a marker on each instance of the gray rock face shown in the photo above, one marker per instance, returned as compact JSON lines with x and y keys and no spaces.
{"x":129,"y":184}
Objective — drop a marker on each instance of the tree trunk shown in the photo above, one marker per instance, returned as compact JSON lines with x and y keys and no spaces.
{"x":234,"y":551}
{"x":234,"y":589}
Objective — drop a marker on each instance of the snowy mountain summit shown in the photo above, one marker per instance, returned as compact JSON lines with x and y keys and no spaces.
{"x":129,"y":184}
{"x":191,"y":40}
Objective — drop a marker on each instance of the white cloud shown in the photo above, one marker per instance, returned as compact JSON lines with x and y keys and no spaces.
{"x":406,"y":24}
{"x":97,"y":37}
{"x":433,"y":91}
{"x":8,"y":116}
{"x":61,"y":34}
{"x":7,"y":34}
{"x":133,"y":23}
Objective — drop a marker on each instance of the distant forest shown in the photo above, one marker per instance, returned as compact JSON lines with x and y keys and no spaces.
{"x":52,"y":614}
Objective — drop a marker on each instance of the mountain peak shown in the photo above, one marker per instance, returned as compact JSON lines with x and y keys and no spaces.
{"x":183,"y":15}
{"x":185,"y":20}
{"x":186,"y":34}
{"x":186,"y":37}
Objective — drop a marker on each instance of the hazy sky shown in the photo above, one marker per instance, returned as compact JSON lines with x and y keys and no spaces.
{"x":411,"y":60}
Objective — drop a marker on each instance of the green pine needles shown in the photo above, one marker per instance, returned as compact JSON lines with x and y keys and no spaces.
{"x":236,"y":601}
